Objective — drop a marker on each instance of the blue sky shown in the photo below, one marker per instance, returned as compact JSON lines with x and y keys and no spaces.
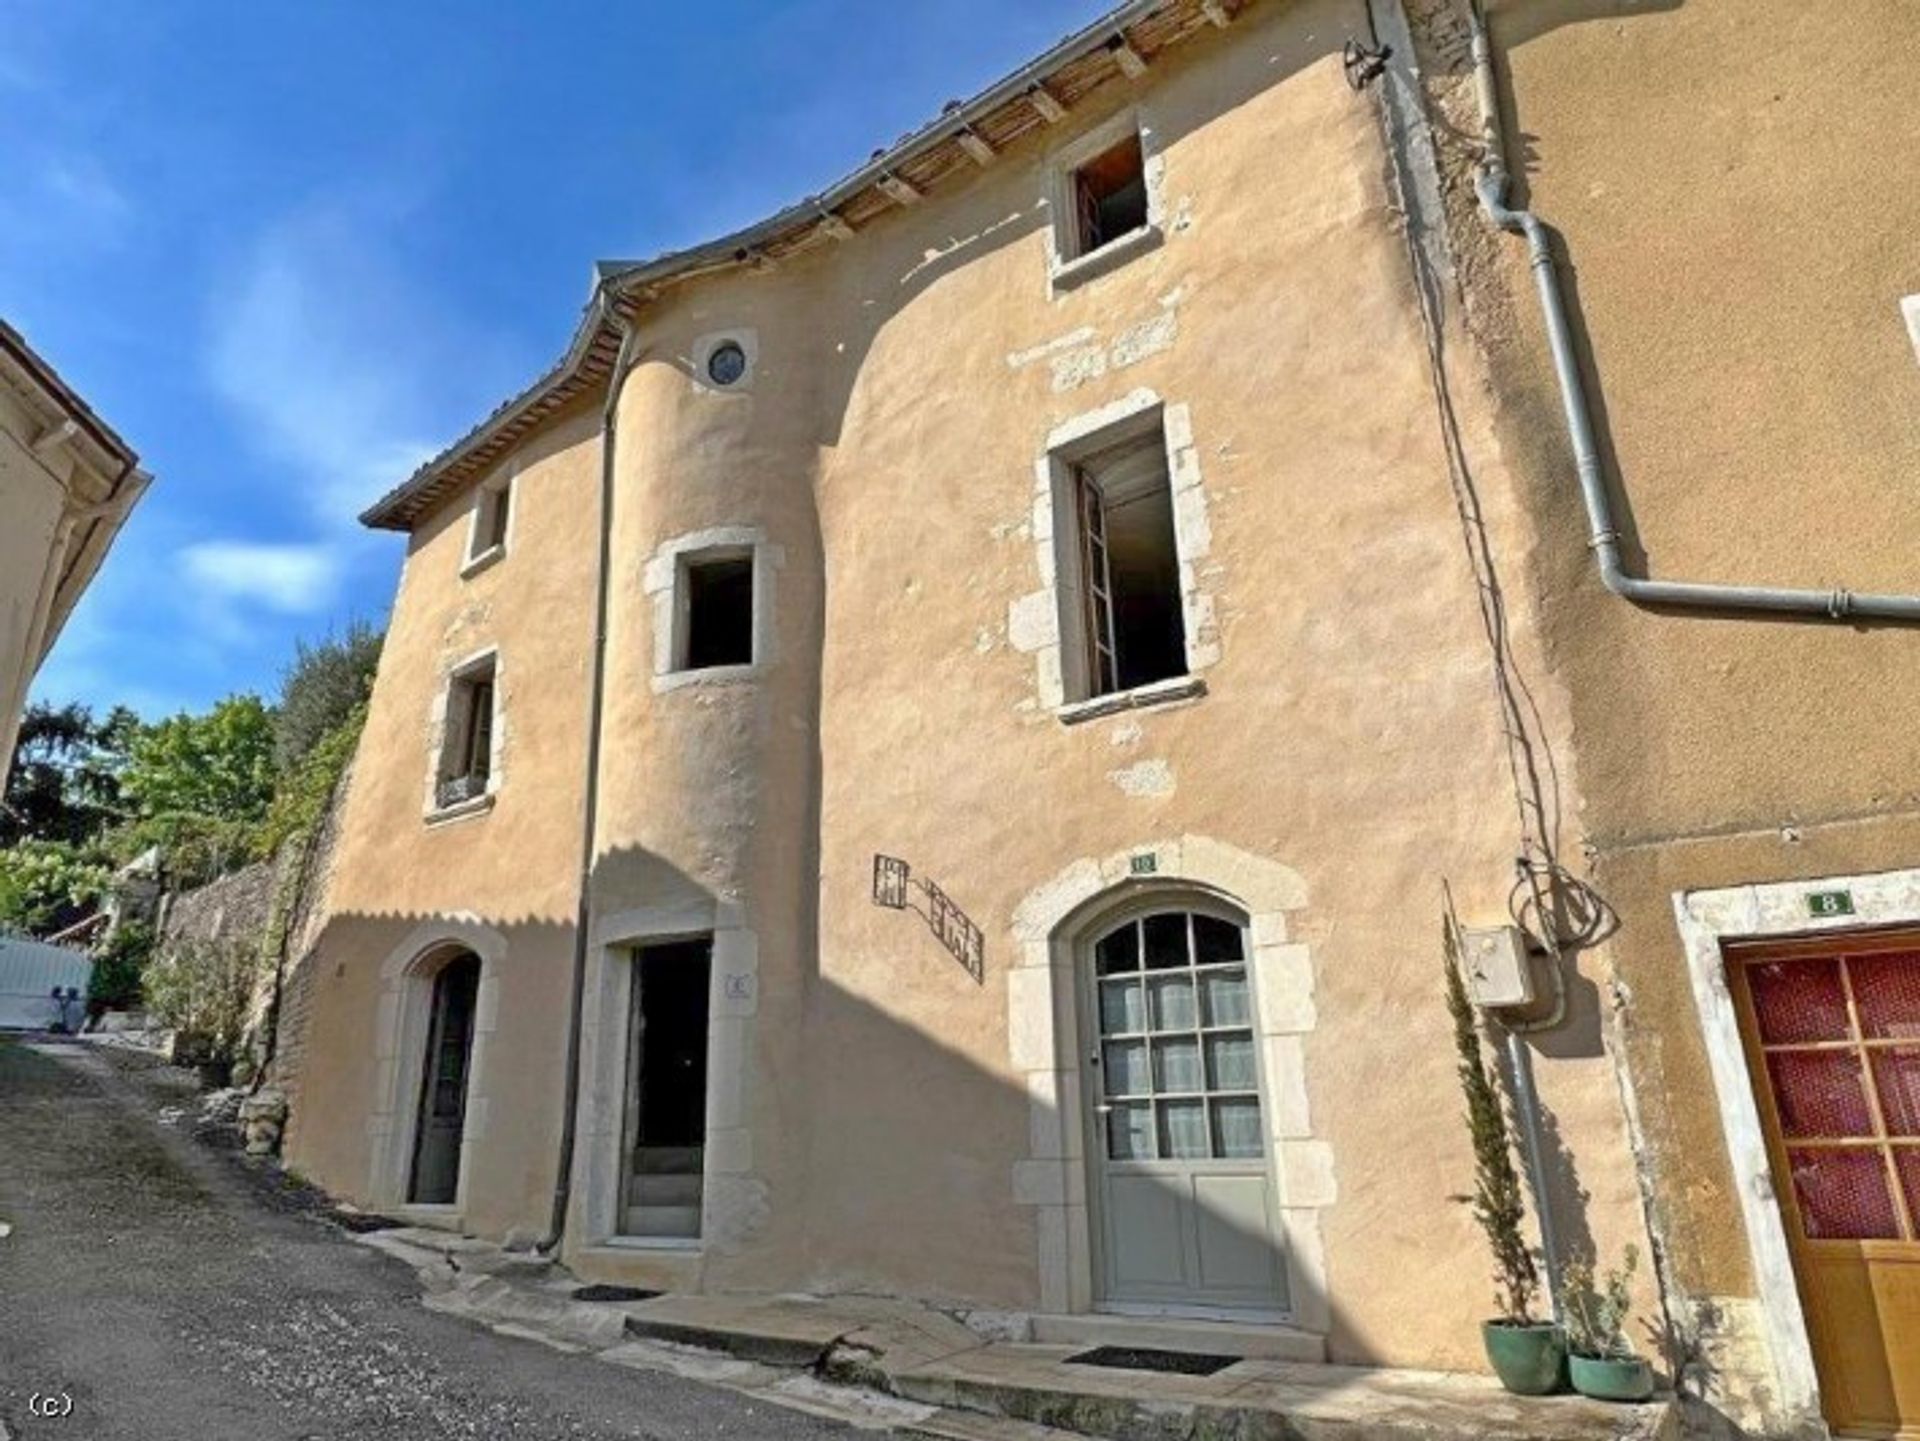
{"x":289,"y":250}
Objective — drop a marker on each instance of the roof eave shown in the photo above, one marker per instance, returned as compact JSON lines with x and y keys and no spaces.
{"x":64,"y":397}
{"x":401,"y":508}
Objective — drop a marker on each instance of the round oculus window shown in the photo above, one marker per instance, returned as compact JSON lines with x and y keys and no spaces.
{"x":726,"y":363}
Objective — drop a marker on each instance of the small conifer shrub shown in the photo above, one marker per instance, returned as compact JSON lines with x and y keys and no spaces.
{"x":1498,"y":1203}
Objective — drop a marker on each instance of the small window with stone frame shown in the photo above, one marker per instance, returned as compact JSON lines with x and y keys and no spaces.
{"x":492,"y":517}
{"x":466,"y":752}
{"x":716,"y":621}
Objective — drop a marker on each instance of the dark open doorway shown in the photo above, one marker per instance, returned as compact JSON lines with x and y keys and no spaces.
{"x":435,"y":1178}
{"x":666,"y":1106}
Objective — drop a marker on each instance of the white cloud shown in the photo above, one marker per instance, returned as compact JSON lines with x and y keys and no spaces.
{"x":333,"y":356}
{"x":338,"y":365}
{"x":292,"y":579}
{"x":60,"y":203}
{"x":81,"y":184}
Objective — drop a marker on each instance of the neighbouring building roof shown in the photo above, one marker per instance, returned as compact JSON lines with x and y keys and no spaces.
{"x":34,"y":368}
{"x":964,"y":136}
{"x":105,"y":456}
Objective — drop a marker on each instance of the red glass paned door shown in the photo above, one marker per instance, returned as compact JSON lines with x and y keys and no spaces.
{"x":1832,"y":1032}
{"x":1840,"y":1040}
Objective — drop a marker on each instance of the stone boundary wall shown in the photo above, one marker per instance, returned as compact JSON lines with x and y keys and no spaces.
{"x":232,"y":908}
{"x":239,"y":907}
{"x":302,"y":954}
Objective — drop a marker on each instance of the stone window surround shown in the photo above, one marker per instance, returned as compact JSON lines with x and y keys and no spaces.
{"x":1066,"y":270}
{"x":440,"y":732}
{"x":1049,"y":623}
{"x":1045,"y":1043}
{"x":664,"y":579}
{"x":732,"y":1197}
{"x":484,"y":494}
{"x":1707,"y":919}
{"x":401,"y":1024}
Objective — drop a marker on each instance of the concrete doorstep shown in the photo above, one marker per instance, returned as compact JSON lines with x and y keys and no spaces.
{"x":772,"y":1350}
{"x":885,"y":1364}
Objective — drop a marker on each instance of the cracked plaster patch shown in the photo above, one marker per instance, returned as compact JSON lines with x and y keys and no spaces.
{"x":1145,"y":779}
{"x":1081,"y":355}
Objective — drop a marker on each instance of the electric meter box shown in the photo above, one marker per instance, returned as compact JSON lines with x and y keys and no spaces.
{"x":1496,"y":966}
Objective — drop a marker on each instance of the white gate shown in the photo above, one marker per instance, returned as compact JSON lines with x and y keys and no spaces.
{"x":30,"y":973}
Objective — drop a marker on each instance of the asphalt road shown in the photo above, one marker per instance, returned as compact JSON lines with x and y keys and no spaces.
{"x":146,"y":1279}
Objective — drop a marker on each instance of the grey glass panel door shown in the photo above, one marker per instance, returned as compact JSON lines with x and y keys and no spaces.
{"x":1187,"y":1215}
{"x":443,"y":1084}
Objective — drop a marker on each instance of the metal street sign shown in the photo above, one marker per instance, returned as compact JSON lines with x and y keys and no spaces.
{"x":890,"y":882}
{"x":892,"y":878}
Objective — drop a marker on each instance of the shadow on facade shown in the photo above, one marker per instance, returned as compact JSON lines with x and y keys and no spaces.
{"x":1515,"y":24}
{"x":915,"y":251}
{"x":886,"y":1158}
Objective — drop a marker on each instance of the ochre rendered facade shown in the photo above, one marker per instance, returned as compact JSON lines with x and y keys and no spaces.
{"x":878,"y":1119}
{"x":1735,"y":189}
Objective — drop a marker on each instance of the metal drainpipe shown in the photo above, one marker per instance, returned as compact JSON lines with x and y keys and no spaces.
{"x":1604,"y":534}
{"x":1526,"y":1095}
{"x":1526,"y":1105}
{"x":1491,"y":185}
{"x":590,"y":808}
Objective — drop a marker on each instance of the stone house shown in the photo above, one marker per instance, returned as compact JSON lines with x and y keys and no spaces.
{"x":67,"y":482}
{"x":923,"y":756}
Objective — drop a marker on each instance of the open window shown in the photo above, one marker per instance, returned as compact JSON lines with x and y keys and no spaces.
{"x":492,"y":513}
{"x":466,"y":752}
{"x":1131,"y":629}
{"x":1121,"y":532}
{"x":1110,"y":196}
{"x":713,"y":606}
{"x":1104,"y":206}
{"x":716,"y":624}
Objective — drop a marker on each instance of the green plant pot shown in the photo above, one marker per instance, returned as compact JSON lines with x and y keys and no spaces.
{"x":1529,"y":1360}
{"x":1607,"y":1378}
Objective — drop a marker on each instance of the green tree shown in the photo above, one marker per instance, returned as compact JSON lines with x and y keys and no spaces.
{"x":204,"y":989}
{"x":304,"y":794}
{"x":323,"y":686}
{"x":65,"y":781}
{"x":46,"y":885}
{"x":200,"y":785}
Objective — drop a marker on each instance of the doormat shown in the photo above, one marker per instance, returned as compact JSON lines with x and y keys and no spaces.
{"x":1141,"y":1358}
{"x":363,"y":1222}
{"x":613,"y":1293}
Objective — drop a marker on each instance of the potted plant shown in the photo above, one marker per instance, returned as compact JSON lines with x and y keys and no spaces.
{"x":1603,"y":1362}
{"x":1528,"y":1355}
